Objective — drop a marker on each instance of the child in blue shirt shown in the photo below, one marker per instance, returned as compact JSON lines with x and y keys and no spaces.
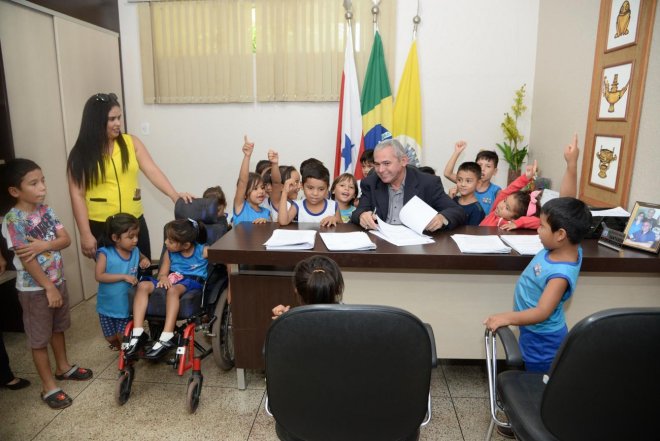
{"x":467,"y":178}
{"x":486,"y":191}
{"x":250,"y":192}
{"x":183,"y":267}
{"x":116,"y":271}
{"x":547,"y":282}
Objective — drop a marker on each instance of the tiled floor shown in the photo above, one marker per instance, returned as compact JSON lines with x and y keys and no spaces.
{"x":156,"y":408}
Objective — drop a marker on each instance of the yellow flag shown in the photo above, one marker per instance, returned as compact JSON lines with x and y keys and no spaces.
{"x":407,"y":124}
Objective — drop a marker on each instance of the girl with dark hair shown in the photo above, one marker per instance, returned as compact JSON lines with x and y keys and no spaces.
{"x":116,"y":271}
{"x":250,"y":192}
{"x":183,"y":267}
{"x":103,"y":173}
{"x":316,"y":280}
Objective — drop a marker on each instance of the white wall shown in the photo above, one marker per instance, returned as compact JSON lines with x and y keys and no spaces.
{"x":561,"y":97}
{"x":472,"y":56}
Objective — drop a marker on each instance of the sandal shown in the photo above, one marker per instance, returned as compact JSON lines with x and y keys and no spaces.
{"x":57,"y":399}
{"x":76,"y":373}
{"x":113,"y":348}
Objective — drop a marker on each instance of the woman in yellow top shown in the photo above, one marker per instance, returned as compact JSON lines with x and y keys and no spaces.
{"x":103,"y":173}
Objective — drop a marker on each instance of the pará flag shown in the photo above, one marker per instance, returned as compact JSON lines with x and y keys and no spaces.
{"x":376,"y":99}
{"x":349,"y":129}
{"x":408,"y":109}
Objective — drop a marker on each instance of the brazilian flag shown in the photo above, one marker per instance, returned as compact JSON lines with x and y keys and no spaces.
{"x":376,"y":100}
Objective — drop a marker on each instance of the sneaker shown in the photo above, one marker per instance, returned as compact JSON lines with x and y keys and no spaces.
{"x":136,"y":344}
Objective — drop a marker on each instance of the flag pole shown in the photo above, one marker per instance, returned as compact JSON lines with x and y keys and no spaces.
{"x":375,"y":10}
{"x":416,"y":20}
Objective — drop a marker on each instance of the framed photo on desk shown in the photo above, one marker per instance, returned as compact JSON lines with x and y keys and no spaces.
{"x":643,"y":229}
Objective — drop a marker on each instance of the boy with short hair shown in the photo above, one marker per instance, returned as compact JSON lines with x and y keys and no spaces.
{"x":467,"y":179}
{"x":36,"y":236}
{"x":367,"y":162}
{"x":486,"y":191}
{"x":548,"y":281}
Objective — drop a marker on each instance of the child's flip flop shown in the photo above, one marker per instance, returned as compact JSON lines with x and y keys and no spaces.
{"x":57,"y":399}
{"x":75,"y":373}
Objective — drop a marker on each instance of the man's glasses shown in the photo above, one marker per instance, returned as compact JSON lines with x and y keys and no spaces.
{"x":105,"y":97}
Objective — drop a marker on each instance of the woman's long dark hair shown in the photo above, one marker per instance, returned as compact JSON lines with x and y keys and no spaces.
{"x":85,"y":163}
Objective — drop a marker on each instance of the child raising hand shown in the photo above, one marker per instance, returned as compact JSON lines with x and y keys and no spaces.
{"x":250,"y":192}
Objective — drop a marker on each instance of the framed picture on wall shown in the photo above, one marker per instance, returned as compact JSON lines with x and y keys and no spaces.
{"x":615,"y":82}
{"x":622,"y":29}
{"x":643,"y":229}
{"x":605,"y":161}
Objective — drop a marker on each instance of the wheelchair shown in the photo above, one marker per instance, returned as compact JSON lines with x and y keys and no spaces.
{"x":206,"y":311}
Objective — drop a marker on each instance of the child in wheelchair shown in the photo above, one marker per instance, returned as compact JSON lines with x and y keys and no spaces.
{"x":183,"y":267}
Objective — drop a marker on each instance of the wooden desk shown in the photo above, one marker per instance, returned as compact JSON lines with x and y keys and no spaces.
{"x":452,"y":291}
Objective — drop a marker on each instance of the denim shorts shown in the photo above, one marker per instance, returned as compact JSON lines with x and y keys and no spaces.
{"x":190,"y":284}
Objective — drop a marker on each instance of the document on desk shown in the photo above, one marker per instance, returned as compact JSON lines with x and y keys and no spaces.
{"x":399,"y":235}
{"x":528,"y":244}
{"x":416,"y":215}
{"x":477,"y":244}
{"x":355,"y":241}
{"x":291,"y":240}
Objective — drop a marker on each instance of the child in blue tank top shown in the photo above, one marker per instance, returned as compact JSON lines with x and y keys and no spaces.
{"x":547,"y":282}
{"x":250,"y":192}
{"x":116,"y":271}
{"x":183,"y":267}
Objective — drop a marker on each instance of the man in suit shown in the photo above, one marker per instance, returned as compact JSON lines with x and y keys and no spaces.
{"x":394,"y":183}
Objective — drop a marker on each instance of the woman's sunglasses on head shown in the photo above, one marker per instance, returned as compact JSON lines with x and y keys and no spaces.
{"x":105,"y":97}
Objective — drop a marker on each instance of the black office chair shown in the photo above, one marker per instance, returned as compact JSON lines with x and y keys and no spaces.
{"x":603,"y":384}
{"x":349,"y":372}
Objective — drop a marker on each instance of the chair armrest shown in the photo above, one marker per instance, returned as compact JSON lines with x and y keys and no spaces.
{"x":511,"y":348}
{"x":434,"y":355}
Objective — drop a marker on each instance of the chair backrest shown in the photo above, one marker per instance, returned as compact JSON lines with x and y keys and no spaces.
{"x":348,"y":372}
{"x":605,"y":380}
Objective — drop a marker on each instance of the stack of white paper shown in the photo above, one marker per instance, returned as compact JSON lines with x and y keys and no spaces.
{"x":476,"y":244}
{"x":415,"y":215}
{"x":399,"y":235}
{"x":291,"y":240}
{"x":355,"y":241}
{"x":527,"y":244}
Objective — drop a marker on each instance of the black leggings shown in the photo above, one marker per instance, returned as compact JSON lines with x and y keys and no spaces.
{"x":144,"y":244}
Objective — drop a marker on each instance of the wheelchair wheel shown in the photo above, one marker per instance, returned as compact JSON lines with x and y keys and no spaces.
{"x":123,"y":386}
{"x":223,"y":342}
{"x":194,"y":391}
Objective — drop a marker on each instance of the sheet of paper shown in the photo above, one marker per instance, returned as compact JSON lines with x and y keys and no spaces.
{"x":476,"y":244}
{"x":416,"y":214}
{"x":291,"y":240}
{"x":355,"y":241}
{"x":524,"y":244}
{"x":399,"y":235}
{"x":613,"y":212}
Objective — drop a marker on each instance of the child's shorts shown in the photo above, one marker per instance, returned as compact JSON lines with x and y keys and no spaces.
{"x":112,"y":326}
{"x":188,"y":282}
{"x":40,"y":321}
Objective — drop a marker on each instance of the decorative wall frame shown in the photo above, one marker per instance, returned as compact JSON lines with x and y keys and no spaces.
{"x":643,"y":229}
{"x":624,"y":55}
{"x":614,"y":97}
{"x":605,"y":162}
{"x":623,"y":20}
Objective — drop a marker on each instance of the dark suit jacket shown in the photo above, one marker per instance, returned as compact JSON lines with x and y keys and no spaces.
{"x":423,"y":185}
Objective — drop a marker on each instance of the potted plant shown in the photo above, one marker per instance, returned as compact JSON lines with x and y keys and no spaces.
{"x":514,"y":155}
